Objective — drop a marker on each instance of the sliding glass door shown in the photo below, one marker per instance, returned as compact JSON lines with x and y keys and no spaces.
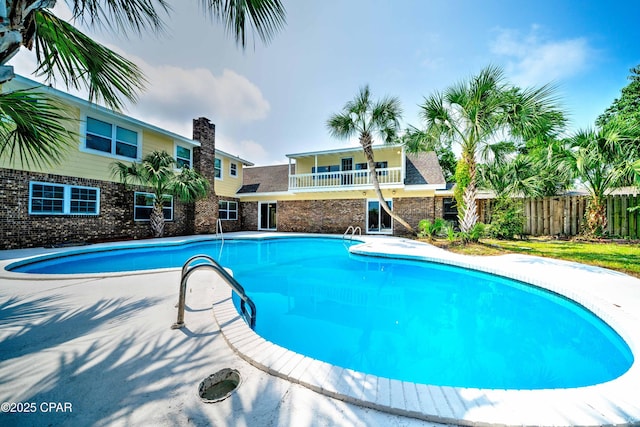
{"x":267,"y":213}
{"x":378,"y":220}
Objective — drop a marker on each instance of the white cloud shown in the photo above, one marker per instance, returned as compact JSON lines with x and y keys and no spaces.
{"x":245,"y":149}
{"x":175,"y":92}
{"x":534,"y":60}
{"x":176,"y":95}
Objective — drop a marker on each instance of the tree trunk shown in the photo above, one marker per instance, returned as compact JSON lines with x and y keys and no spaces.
{"x":366,"y":142}
{"x":156,"y":219}
{"x":596,"y":217}
{"x":469,"y":216}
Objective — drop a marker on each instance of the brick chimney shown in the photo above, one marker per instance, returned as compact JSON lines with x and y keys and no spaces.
{"x":206,"y":210}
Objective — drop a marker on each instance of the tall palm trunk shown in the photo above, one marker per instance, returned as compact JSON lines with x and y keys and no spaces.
{"x":596,"y":216}
{"x":157,"y":219}
{"x":366,"y":142}
{"x":469,"y":217}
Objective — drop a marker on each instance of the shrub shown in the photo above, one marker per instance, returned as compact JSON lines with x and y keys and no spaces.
{"x":475,"y":234}
{"x":430,"y":229}
{"x":450,"y":232}
{"x":507,"y":219}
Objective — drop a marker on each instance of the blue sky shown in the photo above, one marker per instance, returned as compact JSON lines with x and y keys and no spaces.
{"x":268,"y":101}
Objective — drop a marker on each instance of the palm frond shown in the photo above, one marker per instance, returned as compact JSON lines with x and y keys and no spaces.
{"x":189,"y":185}
{"x":418,"y":140}
{"x":341,"y":126}
{"x":434,"y":112}
{"x":120,"y":15}
{"x":64,"y":51}
{"x":32,"y":128}
{"x":264,"y":17}
{"x":534,"y":112}
{"x":158,"y":170}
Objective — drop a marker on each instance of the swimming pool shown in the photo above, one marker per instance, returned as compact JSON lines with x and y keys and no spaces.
{"x":407,"y":320}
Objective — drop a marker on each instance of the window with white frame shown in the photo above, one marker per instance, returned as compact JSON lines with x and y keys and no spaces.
{"x":143,"y":205}
{"x":217,"y":168}
{"x":62,"y":199}
{"x":228,"y":210}
{"x":183,"y":156}
{"x":111,"y":139}
{"x":233,"y":169}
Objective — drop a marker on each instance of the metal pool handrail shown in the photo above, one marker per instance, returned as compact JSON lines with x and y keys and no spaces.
{"x":210,"y":263}
{"x":353,"y":232}
{"x":221,"y":234}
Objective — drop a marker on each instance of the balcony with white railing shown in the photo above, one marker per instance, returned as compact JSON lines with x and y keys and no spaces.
{"x":344,"y":180}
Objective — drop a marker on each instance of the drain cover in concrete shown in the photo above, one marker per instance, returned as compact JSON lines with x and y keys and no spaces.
{"x":219,"y":386}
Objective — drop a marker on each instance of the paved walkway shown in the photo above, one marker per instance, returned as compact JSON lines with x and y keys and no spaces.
{"x":99,"y":351}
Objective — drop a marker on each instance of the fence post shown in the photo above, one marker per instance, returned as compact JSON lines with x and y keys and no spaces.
{"x":582,"y":202}
{"x":545,"y":216}
{"x":610,"y":226}
{"x":616,"y":215}
{"x":624,"y":216}
{"x":538,"y":217}
{"x":633,"y":225}
{"x":526,"y":209}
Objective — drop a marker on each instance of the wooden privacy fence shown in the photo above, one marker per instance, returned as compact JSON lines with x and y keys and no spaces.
{"x":564,"y":215}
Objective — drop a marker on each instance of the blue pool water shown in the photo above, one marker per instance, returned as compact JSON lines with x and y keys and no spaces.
{"x":407,"y":320}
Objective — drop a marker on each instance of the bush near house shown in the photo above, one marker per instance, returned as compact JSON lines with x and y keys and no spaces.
{"x":507,"y":219}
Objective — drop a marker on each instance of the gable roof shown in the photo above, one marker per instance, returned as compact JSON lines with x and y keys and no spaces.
{"x":423,"y":168}
{"x":234,"y":158}
{"x":84,"y":105}
{"x":266,"y":179}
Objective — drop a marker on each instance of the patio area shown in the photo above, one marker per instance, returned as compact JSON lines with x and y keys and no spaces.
{"x":98,"y":350}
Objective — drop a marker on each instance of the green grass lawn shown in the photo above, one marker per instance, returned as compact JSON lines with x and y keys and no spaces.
{"x":624,"y":257}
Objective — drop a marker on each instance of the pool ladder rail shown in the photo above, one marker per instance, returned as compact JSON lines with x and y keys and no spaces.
{"x":351,"y":231}
{"x":207,"y":262}
{"x":220,"y":234}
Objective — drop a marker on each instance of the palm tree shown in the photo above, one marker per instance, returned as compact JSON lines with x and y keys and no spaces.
{"x":157,"y":171}
{"x":602,"y":158}
{"x":364,"y":117}
{"x":482,"y":110}
{"x":64,"y":52}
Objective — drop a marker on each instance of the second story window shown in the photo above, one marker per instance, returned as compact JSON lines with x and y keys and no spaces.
{"x":183,"y":157}
{"x":217,"y":168}
{"x":111,"y":139}
{"x":233,"y":169}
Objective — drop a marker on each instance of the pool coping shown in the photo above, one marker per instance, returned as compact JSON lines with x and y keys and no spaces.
{"x":609,"y":403}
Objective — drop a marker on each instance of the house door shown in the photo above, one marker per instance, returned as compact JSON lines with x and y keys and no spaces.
{"x":347,"y":165}
{"x":267,"y":213}
{"x":378,"y":220}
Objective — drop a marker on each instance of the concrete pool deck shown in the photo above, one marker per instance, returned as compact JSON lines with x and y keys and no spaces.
{"x":101,"y":345}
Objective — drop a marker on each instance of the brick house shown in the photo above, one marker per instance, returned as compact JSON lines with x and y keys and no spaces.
{"x":78,"y":200}
{"x":328,"y":191}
